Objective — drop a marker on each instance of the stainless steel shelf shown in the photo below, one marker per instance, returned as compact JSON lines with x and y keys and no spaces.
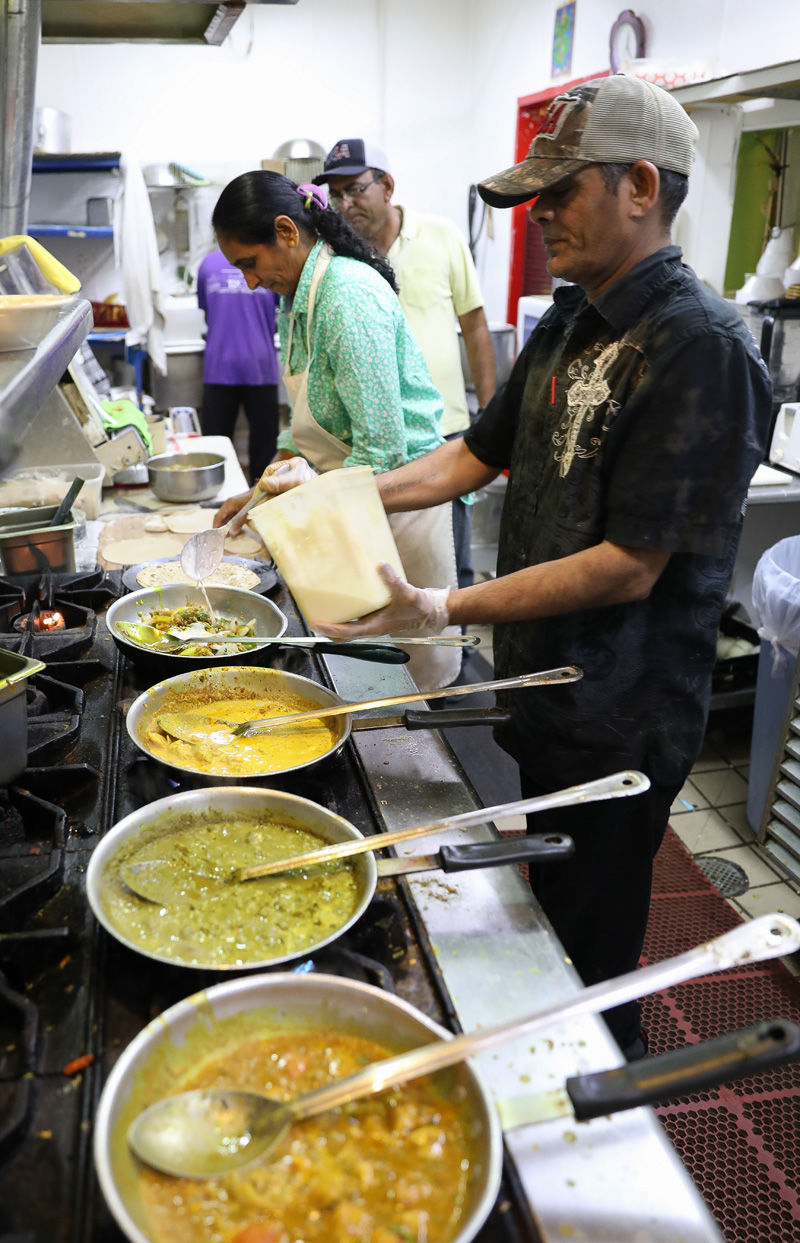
{"x":27,"y":377}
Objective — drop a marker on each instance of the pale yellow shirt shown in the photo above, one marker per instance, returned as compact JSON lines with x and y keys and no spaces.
{"x":438,"y":283}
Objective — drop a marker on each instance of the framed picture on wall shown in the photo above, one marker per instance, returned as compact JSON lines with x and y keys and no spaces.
{"x":563,"y":35}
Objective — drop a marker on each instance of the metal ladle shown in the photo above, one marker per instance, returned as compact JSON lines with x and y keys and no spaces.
{"x":166,"y":643}
{"x":202,"y":553}
{"x":191,"y":727}
{"x":209,"y":1132}
{"x":145,"y":876}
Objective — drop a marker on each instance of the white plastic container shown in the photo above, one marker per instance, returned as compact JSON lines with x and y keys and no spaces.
{"x":327,"y":538}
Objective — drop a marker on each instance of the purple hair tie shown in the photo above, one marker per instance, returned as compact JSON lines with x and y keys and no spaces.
{"x":313,"y":194}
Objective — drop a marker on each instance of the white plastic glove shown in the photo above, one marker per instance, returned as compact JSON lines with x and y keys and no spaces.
{"x":411,"y":608}
{"x":283,"y":476}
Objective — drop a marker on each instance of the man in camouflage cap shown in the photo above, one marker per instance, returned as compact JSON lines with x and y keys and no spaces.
{"x":631,"y":425}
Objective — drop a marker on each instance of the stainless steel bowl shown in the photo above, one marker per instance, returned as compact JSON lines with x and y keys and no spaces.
{"x":233,"y":602}
{"x":186,"y":476}
{"x":151,"y":1066}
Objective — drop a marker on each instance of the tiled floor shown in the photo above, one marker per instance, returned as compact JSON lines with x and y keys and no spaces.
{"x":710,"y":817}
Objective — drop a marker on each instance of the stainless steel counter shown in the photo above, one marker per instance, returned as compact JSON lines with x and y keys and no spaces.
{"x":616,"y":1179}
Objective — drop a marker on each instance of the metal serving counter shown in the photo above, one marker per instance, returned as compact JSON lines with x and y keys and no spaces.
{"x":616,"y":1179}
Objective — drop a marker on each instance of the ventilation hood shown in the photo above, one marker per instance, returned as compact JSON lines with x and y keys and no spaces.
{"x":142,"y":21}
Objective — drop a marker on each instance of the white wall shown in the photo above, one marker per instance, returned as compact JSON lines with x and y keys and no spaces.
{"x":435,"y":81}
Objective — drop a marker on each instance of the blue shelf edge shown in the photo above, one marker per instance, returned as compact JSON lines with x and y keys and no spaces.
{"x":70,"y":230}
{"x":76,"y":163}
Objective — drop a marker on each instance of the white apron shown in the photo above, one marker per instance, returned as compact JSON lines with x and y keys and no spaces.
{"x":424,"y":537}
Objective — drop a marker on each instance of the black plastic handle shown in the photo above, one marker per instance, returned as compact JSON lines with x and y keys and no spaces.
{"x":767,"y":329}
{"x":537,"y":848}
{"x":447,"y":718}
{"x":384,"y":653}
{"x":694,"y":1068}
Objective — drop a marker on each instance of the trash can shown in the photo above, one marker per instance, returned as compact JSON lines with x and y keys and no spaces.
{"x":776,"y":609}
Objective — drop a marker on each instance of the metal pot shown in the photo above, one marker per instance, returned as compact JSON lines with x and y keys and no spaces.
{"x":232,"y":602}
{"x":159,"y":818}
{"x":186,"y":476}
{"x":143,"y":1074}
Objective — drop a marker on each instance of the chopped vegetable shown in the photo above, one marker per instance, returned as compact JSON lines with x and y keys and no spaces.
{"x":79,"y":1063}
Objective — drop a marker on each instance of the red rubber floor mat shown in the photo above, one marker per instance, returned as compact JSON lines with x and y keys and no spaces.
{"x":740,"y":1143}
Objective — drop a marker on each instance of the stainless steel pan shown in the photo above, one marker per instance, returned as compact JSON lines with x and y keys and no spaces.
{"x":201,"y":688}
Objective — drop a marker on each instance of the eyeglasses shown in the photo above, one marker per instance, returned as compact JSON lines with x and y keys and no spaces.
{"x":352,"y":192}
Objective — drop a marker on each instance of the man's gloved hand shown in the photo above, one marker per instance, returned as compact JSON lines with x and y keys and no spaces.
{"x":283,"y":476}
{"x":411,"y":608}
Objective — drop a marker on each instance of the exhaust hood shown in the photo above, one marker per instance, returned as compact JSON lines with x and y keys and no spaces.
{"x":142,"y":21}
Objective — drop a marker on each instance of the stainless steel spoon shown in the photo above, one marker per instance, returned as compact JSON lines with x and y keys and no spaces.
{"x":202,"y":553}
{"x":145,"y":875}
{"x":207,"y":1133}
{"x":171,"y":640}
{"x":168,"y":643}
{"x":191,"y":727}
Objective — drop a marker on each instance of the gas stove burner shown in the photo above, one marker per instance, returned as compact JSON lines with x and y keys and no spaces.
{"x":41,"y":621}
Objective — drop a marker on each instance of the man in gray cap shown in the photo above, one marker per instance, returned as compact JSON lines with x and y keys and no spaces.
{"x":438,"y":289}
{"x":631,"y":425}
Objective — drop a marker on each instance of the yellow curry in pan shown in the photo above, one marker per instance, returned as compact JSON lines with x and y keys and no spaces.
{"x":214,"y":750}
{"x":391,"y":1168}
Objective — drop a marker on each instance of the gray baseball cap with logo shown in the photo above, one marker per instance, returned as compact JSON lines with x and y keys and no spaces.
{"x":613,"y":120}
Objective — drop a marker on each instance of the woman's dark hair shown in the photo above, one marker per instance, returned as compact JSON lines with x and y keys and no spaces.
{"x":248,"y":205}
{"x":672,"y":191}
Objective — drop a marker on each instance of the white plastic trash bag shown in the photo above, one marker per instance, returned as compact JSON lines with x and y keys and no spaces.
{"x":776,"y":601}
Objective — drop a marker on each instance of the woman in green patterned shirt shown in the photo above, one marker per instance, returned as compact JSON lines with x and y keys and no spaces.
{"x":357,"y":382}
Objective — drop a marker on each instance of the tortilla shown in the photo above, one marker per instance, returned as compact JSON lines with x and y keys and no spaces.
{"x":156,"y":523}
{"x":190,"y":521}
{"x":227,"y":574}
{"x":143,"y":548}
{"x":243,"y":545}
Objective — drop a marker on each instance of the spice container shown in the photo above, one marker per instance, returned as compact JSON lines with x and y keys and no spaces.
{"x":327,"y":538}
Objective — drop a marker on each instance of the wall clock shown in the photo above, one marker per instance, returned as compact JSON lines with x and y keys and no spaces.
{"x":626,"y":40}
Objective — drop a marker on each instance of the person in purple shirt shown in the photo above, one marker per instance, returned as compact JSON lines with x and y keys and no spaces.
{"x":240,"y":369}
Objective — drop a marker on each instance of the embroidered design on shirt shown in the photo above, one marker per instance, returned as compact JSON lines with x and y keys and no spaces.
{"x":590,"y":390}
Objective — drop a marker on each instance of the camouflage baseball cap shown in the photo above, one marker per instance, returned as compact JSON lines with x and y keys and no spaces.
{"x":613,"y":120}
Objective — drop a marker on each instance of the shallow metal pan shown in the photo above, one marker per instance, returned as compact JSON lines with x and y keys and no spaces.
{"x":234,"y":602}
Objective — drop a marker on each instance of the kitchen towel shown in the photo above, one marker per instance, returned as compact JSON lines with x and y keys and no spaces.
{"x":137,"y":255}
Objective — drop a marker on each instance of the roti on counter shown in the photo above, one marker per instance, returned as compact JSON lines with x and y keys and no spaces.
{"x":227,"y":574}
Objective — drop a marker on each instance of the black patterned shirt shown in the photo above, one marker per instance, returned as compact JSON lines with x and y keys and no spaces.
{"x":638,"y":418}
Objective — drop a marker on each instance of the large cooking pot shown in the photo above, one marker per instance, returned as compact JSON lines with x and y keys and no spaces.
{"x":111,"y":900}
{"x":234,"y":602}
{"x":151,"y":1066}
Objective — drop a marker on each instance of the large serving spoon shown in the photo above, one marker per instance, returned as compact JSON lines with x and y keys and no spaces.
{"x":191,"y":727}
{"x":209,"y":1132}
{"x":202,"y":552}
{"x":145,"y":875}
{"x":170,"y":643}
